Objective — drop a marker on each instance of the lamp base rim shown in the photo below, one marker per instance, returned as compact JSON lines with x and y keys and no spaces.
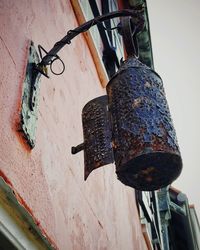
{"x":151,"y":171}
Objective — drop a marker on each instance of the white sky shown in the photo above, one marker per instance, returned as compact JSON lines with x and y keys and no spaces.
{"x":175,"y":35}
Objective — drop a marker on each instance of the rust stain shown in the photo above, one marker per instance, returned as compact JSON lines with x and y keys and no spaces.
{"x":27,"y":208}
{"x":17,"y":111}
{"x":6,"y":179}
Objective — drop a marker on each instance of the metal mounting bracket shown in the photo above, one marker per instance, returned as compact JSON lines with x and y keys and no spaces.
{"x":30,"y":97}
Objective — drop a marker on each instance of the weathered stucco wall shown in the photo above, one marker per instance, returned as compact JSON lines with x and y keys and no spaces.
{"x":97,"y":214}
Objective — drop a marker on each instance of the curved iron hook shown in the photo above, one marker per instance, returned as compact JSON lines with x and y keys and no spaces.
{"x":129,"y":30}
{"x":46,"y":60}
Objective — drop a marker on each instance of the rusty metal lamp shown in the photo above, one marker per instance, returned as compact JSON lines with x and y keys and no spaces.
{"x":131,"y":125}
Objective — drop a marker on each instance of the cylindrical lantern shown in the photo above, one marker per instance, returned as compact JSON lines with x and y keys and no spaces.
{"x":146,"y":152}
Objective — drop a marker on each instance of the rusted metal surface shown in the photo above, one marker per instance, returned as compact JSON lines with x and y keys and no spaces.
{"x":97,"y":134}
{"x":145,"y":148}
{"x":146,"y":151}
{"x":130,"y":28}
{"x":46,"y":60}
{"x":77,"y":149}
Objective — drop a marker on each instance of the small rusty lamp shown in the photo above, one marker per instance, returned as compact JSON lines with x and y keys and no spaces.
{"x":143,"y":138}
{"x":145,"y":148}
{"x":131,"y":125}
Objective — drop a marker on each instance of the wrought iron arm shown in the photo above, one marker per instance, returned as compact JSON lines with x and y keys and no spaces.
{"x":52,"y":54}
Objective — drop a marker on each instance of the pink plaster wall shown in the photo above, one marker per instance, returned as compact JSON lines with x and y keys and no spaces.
{"x":97,"y":214}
